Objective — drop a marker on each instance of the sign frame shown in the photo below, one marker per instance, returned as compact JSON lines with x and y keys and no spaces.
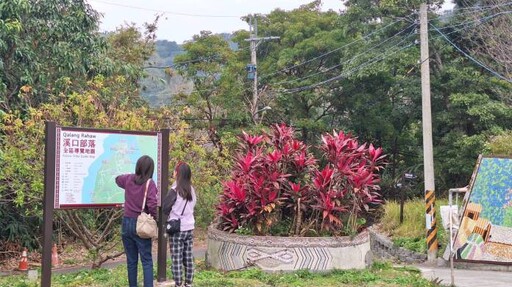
{"x":50,"y":174}
{"x":60,"y":130}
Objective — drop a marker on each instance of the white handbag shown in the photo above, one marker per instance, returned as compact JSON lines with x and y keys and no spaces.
{"x":146,"y":225}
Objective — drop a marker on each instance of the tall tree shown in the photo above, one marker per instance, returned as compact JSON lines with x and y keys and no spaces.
{"x":206,"y":59}
{"x":41,"y":41}
{"x":56,"y":66}
{"x":302,"y":57}
{"x":485,"y":32}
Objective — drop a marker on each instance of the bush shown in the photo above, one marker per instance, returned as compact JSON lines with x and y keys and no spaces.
{"x":411,"y":234}
{"x":22,"y":151}
{"x":500,"y":145}
{"x":276,"y":185}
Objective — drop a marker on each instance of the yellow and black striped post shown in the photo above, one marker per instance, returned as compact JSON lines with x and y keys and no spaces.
{"x":431,"y":224}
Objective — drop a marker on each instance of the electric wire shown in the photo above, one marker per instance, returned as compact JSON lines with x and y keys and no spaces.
{"x":401,"y":19}
{"x":330,"y":52}
{"x":470,"y":57}
{"x":353,"y":69}
{"x":482,"y":8}
{"x":477,"y":21}
{"x":352,"y":59}
{"x":165,"y":12}
{"x":376,"y":59}
{"x":345,"y":74}
{"x":348,"y":44}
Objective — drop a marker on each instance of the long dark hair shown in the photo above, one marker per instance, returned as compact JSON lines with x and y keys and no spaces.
{"x":183,"y":180}
{"x":144,"y":169}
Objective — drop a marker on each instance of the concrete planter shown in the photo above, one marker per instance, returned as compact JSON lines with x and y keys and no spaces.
{"x":228,"y":251}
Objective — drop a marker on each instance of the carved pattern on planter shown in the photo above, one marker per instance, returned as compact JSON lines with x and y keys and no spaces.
{"x":284,"y":256}
{"x":287,"y":242}
{"x":312,"y":258}
{"x":229,"y":251}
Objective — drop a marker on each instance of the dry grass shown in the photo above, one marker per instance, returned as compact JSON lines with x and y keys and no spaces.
{"x":414,"y":218}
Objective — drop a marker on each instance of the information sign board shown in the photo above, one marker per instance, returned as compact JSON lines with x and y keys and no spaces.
{"x":88,"y":160}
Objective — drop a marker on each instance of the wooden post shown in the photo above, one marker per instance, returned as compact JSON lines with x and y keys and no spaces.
{"x":48,"y":202}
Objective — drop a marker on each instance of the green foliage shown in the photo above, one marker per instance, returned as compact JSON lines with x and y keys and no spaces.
{"x":500,"y":144}
{"x":209,"y":168}
{"x":380,"y":274}
{"x":21,"y":179}
{"x":42,"y":41}
{"x":411,"y":233}
{"x":53,"y":59}
{"x":305,"y":33}
{"x":417,"y":244}
{"x":242,"y":230}
{"x":46,"y":42}
{"x":208,"y":196}
{"x":216,"y":102}
{"x":412,"y":227}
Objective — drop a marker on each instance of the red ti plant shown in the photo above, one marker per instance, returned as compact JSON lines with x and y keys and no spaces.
{"x":349,"y":183}
{"x":268,"y":183}
{"x":276,"y":181}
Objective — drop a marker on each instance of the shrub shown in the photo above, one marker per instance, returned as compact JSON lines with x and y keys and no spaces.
{"x":21,"y":178}
{"x":500,"y":144}
{"x":276,"y":184}
{"x":411,"y":233}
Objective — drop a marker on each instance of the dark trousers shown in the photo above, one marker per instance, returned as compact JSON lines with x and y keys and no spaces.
{"x":133,"y":247}
{"x":181,"y":254}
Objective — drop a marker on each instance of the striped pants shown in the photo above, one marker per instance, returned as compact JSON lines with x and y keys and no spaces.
{"x":181,"y":254}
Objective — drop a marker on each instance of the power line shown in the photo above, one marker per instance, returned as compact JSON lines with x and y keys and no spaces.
{"x":344,"y":46}
{"x":477,"y":21}
{"x":336,"y":66}
{"x":182,"y":63}
{"x":165,"y":12}
{"x":466,"y":26}
{"x":344,"y":74}
{"x":332,"y":51}
{"x":353,"y":57}
{"x":471,"y":58}
{"x":370,"y":34}
{"x":465,"y":11}
{"x":482,"y":8}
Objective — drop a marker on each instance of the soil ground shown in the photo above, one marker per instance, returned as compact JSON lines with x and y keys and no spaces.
{"x":76,"y":255}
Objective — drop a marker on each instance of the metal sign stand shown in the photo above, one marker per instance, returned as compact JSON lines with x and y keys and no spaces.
{"x":451,"y":191}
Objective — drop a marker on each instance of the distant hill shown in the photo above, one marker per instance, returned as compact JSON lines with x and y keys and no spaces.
{"x":162,"y":81}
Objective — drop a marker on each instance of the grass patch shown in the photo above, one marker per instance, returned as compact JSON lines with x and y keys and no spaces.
{"x":416,"y":244}
{"x":380,"y":274}
{"x":412,"y":232}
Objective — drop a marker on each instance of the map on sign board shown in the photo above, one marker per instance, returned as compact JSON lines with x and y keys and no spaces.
{"x":485,"y":227}
{"x":88,"y":162}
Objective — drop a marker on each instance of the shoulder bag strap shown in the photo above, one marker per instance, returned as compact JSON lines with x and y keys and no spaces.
{"x":184,"y":207}
{"x":145,"y":193}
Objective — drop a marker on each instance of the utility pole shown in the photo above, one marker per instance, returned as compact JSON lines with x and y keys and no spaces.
{"x":428,"y":153}
{"x":255,"y":42}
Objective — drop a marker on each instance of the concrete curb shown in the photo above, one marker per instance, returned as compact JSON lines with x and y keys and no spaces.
{"x":464,"y":277}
